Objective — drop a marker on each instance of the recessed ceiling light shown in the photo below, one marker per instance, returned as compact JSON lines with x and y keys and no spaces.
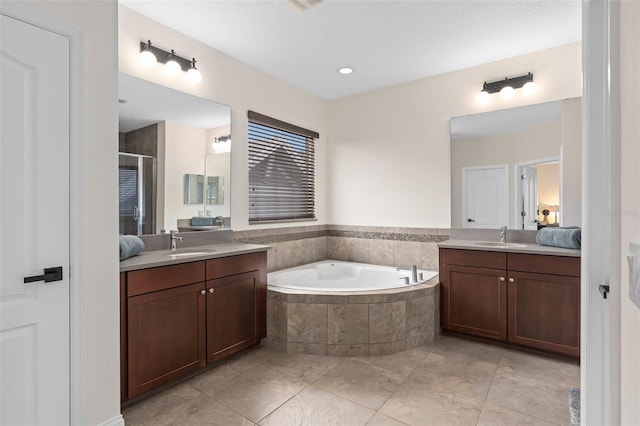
{"x":345,"y":70}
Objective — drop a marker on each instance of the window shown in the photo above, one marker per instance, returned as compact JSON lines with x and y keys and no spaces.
{"x":281,"y":171}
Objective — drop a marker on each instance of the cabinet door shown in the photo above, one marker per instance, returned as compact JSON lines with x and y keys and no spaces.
{"x":474,"y":301}
{"x":166,"y":336}
{"x":231,"y":314}
{"x":544,"y":311}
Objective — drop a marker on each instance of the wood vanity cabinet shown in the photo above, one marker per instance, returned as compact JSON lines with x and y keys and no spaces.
{"x":526,"y":299}
{"x":544,"y":302}
{"x":474,"y":292}
{"x":236,"y":304}
{"x":166,"y":325}
{"x":175,"y":319}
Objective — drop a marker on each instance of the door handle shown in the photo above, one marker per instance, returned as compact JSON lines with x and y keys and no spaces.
{"x":136,"y":213}
{"x":470,"y":220}
{"x":50,"y":275}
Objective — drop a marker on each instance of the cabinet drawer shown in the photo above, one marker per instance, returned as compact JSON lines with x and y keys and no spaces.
{"x":482,"y":259}
{"x":225,"y":266}
{"x":553,"y":265}
{"x":164,"y":277}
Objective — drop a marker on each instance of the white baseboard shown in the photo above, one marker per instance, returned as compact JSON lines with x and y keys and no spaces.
{"x":116,"y":421}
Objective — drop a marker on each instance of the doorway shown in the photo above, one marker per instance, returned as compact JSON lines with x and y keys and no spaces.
{"x":538,"y":195}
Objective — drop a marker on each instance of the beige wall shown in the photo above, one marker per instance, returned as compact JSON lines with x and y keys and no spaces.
{"x":98,"y":22}
{"x":389,"y":149}
{"x":185,"y":147}
{"x":571,"y":194}
{"x":537,"y":143}
{"x":219,"y":165}
{"x":548,"y":188}
{"x":242,"y":87}
{"x":627,"y":178}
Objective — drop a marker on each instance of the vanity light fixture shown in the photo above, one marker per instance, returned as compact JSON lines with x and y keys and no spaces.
{"x":150,"y":55}
{"x":507,"y":87}
{"x":221,"y":144}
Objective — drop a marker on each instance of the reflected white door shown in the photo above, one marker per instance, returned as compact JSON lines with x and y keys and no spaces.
{"x":485,"y":196}
{"x":528,"y":198}
{"x":34,"y":224}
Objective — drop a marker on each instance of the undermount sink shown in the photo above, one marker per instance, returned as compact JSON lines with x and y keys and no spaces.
{"x":498,"y":244}
{"x":189,"y":252}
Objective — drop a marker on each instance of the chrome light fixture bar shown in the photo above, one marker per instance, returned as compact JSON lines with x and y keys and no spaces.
{"x":150,"y":55}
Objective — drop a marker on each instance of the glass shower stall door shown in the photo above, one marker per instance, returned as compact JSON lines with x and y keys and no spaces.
{"x":137,"y":194}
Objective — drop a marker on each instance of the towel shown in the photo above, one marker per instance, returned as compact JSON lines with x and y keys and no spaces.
{"x":130,"y":245}
{"x":570,"y":237}
{"x":202,"y":221}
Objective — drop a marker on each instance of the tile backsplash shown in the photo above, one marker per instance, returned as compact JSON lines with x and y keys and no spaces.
{"x":390,"y":246}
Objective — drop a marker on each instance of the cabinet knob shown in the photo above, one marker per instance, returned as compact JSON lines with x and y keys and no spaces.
{"x":512,"y":280}
{"x":202,"y":292}
{"x":501,"y":279}
{"x":211,"y":290}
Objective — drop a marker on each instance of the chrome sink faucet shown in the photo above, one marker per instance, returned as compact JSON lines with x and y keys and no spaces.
{"x":503,"y":234}
{"x":174,"y":238}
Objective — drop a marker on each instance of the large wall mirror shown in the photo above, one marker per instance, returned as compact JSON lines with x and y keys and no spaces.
{"x":167,"y":140}
{"x":519,"y":167}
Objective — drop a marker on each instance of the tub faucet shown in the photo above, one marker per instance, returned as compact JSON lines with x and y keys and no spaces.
{"x":174,"y":238}
{"x":414,"y":272}
{"x":503,"y":234}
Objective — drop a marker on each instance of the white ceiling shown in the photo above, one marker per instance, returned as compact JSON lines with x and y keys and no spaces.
{"x":387,"y":42}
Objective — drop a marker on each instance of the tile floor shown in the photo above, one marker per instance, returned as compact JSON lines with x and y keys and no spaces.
{"x":451,"y":382}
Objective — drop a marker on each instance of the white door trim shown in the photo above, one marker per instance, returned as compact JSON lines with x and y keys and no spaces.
{"x":595,"y":375}
{"x":77,"y":270}
{"x":518,"y":190}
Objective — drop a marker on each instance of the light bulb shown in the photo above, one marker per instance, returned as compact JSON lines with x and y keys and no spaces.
{"x":483,"y":97}
{"x":172,"y":67}
{"x":146,"y":58}
{"x":193,"y":75}
{"x":529,"y":88}
{"x":506,"y":92}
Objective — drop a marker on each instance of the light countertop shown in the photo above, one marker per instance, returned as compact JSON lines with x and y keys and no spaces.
{"x":155,"y":258}
{"x":516,"y":248}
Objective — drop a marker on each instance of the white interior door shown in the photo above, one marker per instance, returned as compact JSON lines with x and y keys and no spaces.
{"x":527,"y":199}
{"x":485,"y":196}
{"x":34,"y":224}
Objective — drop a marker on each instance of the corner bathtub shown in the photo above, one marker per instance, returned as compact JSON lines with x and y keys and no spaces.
{"x":335,"y":276}
{"x":343,"y":308}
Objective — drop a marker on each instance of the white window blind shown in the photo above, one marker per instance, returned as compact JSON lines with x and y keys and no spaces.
{"x":281,"y":171}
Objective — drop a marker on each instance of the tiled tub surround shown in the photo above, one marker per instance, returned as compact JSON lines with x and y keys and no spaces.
{"x":348,"y":324}
{"x":380,"y":322}
{"x":295,"y":246}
